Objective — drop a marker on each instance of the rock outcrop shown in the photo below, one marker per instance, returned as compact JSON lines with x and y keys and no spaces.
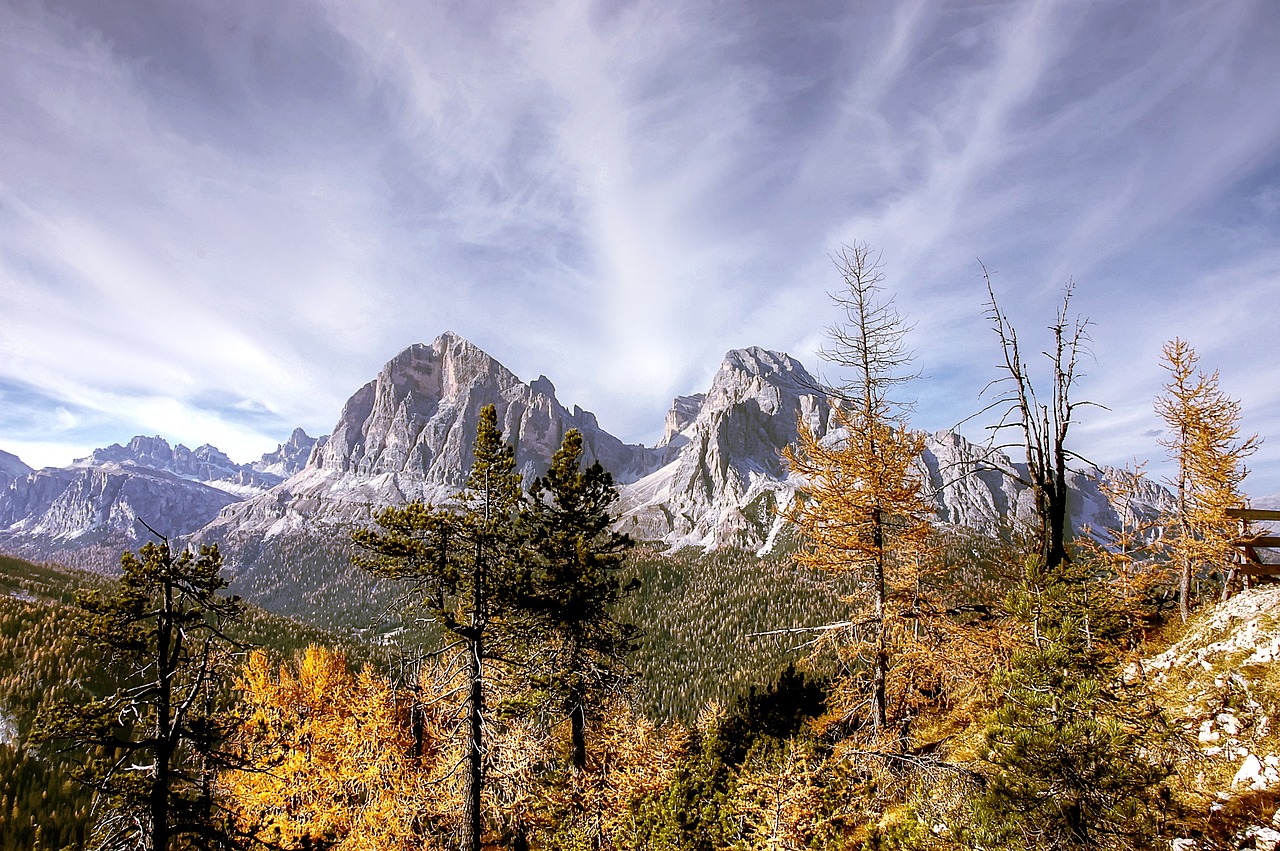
{"x":727,"y":478}
{"x":108,"y":504}
{"x":289,"y":457}
{"x":11,"y":467}
{"x":407,"y":435}
{"x":206,"y":464}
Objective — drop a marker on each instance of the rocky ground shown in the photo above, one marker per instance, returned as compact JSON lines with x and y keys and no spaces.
{"x":1220,"y":681}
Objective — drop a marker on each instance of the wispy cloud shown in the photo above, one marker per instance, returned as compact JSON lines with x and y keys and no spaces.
{"x":221,"y":208}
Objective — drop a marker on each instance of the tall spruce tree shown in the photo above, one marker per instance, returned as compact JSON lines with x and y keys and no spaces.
{"x":459,"y":563}
{"x":574,"y":585}
{"x":152,"y":746}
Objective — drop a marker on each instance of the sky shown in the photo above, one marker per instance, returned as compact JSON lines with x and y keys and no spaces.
{"x":219,"y":219}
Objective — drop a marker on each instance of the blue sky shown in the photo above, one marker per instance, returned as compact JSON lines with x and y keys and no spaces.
{"x":218,"y":219}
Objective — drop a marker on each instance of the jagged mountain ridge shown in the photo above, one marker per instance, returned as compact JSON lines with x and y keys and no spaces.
{"x":206,"y":464}
{"x":715,"y":479}
{"x":728,"y":480}
{"x":109,"y":497}
{"x":407,"y":435}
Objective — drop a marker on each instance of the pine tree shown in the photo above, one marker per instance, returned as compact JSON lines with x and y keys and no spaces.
{"x":1203,"y":440}
{"x":156,"y":741}
{"x":1078,"y":758}
{"x":574,"y":586}
{"x":459,"y":564}
{"x":861,"y":507}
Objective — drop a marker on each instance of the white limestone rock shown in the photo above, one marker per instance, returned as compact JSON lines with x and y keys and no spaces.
{"x":106,"y":504}
{"x":206,"y":464}
{"x":728,"y":478}
{"x":407,"y":435}
{"x":11,"y":467}
{"x":289,"y":457}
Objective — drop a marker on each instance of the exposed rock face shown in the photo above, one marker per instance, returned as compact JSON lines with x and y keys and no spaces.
{"x":206,"y":464}
{"x":289,"y":457}
{"x":104,"y":498}
{"x":53,"y":508}
{"x":684,"y":410}
{"x":11,"y":467}
{"x":407,"y":435}
{"x":717,"y":478}
{"x":728,"y":478}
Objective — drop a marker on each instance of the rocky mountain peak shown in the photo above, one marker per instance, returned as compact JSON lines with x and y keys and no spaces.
{"x":728,"y":474}
{"x":407,"y":434}
{"x":773,"y":381}
{"x":11,"y":467}
{"x":289,"y":457}
{"x":684,"y":410}
{"x":153,"y":452}
{"x":402,"y":421}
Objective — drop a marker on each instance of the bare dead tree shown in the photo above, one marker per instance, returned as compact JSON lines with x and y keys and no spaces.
{"x":1043,"y":425}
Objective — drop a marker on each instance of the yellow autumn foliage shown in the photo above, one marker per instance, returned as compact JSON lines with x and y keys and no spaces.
{"x":332,"y":757}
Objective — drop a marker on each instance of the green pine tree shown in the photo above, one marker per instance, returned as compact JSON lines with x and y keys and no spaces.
{"x":458,"y":563}
{"x":1077,"y":757}
{"x":151,"y":747}
{"x":574,"y":585}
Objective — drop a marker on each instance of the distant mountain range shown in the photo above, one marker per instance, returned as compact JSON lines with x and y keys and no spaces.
{"x":715,"y":479}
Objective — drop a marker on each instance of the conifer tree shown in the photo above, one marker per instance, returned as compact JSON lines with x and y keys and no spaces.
{"x":332,"y":760}
{"x":459,"y":566}
{"x":1203,"y":440}
{"x":1078,"y":757}
{"x":861,"y":507}
{"x":156,"y":741}
{"x":1126,"y":555}
{"x":574,"y":585}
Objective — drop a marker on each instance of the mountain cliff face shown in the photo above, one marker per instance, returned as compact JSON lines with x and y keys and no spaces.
{"x":289,"y":457}
{"x":727,"y":477}
{"x":407,"y":435}
{"x":727,"y":480}
{"x":11,"y":467}
{"x":717,"y":478}
{"x":51,"y":509}
{"x":104,"y":499}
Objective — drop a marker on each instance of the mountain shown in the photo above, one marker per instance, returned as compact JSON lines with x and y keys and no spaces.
{"x":106,"y":500}
{"x":11,"y":467}
{"x":727,"y":476}
{"x":726,"y":480}
{"x":105,"y":505}
{"x":289,"y":457}
{"x":206,"y":464}
{"x":407,"y":435}
{"x":715,"y":479}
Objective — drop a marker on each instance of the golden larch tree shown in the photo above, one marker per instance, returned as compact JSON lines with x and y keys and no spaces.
{"x":331,"y":758}
{"x":861,"y":507}
{"x":1203,"y":441}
